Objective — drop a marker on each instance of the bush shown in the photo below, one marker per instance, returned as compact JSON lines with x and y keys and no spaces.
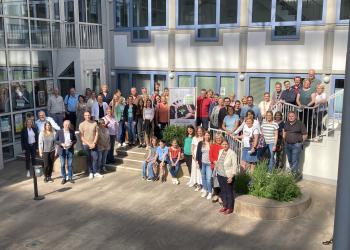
{"x":277,"y":185}
{"x":174,"y":132}
{"x":241,"y":182}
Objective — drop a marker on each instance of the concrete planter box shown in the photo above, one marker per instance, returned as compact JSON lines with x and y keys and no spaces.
{"x":79,"y":165}
{"x":261,"y":208}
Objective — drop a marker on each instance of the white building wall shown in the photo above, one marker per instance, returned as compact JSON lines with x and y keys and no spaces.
{"x":148,"y":56}
{"x":287,"y":56}
{"x":190,"y":55}
{"x":340,"y":48}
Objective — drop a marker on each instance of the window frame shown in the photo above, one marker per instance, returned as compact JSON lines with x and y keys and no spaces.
{"x":338,"y":20}
{"x":298,"y":23}
{"x":148,"y":28}
{"x":217,"y":24}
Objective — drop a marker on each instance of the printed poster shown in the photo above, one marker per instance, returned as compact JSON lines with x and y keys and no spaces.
{"x":182,"y":102}
{"x":18,"y":123}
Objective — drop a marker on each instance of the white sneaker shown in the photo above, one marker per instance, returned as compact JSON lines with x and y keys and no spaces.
{"x":119,"y":145}
{"x":177,"y":182}
{"x":197,"y":188}
{"x":91,"y":175}
{"x":98,"y":175}
{"x":209,"y":196}
{"x":203,"y":190}
{"x":174,"y":181}
{"x":28,"y":173}
{"x":67,"y":178}
{"x":124,"y":144}
{"x":204,"y":194}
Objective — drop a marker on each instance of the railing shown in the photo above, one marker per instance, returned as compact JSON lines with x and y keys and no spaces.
{"x":235,"y":144}
{"x":70,"y":35}
{"x":90,"y":36}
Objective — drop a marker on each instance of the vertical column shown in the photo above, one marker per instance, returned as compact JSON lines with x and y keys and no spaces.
{"x":330,"y":16}
{"x":76,"y":23}
{"x":171,"y":41}
{"x":243,"y":43}
{"x":1,"y":155}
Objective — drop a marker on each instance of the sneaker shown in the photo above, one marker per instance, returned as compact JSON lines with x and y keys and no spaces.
{"x":173,"y":180}
{"x":119,"y":145}
{"x":149,"y":179}
{"x":28,"y":173}
{"x":91,"y":175}
{"x":67,"y":178}
{"x":209,"y":196}
{"x":177,"y":182}
{"x":203,"y":190}
{"x":63,"y":181}
{"x":197,"y":188}
{"x":204,"y":194}
{"x":222,"y":210}
{"x":50,"y":180}
{"x":143,"y":178}
{"x":123,"y":144}
{"x":98,"y":175}
{"x":228,"y":211}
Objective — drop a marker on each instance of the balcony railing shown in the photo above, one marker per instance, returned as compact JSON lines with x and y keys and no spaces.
{"x":89,"y":37}
{"x":70,"y":35}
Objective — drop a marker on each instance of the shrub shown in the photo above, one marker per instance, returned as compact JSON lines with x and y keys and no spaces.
{"x":174,"y":132}
{"x":241,"y":182}
{"x":277,"y":185}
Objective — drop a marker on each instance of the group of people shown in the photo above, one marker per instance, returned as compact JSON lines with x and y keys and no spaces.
{"x":209,"y":149}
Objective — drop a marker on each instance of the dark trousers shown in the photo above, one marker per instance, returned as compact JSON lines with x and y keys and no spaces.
{"x":30,"y":156}
{"x":204,"y":122}
{"x":188,"y":161}
{"x":48,"y":158}
{"x":72,"y":117}
{"x":226,"y":192}
{"x":110,"y":156}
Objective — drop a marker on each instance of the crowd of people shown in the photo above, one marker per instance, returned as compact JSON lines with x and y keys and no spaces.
{"x":105,"y":119}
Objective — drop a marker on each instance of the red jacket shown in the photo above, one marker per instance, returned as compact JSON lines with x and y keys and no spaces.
{"x":203,"y":105}
{"x":214,"y":154}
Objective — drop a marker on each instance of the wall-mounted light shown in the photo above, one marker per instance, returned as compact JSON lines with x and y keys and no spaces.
{"x":326,"y":79}
{"x":241,"y":77}
{"x":112,"y":73}
{"x":171,"y":75}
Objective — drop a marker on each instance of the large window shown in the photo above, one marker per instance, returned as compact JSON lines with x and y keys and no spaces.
{"x":3,"y":68}
{"x":344,"y":10}
{"x":39,"y":8}
{"x":4,"y":98}
{"x":2,"y":33}
{"x":42,"y":64}
{"x":17,"y":33}
{"x":141,"y":16}
{"x":22,"y":95}
{"x":207,"y":16}
{"x":69,"y":10}
{"x":286,"y":16}
{"x":15,"y":8}
{"x":19,"y":63}
{"x":40,"y":34}
{"x":90,"y":11}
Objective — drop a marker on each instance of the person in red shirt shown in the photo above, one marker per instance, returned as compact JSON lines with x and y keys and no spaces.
{"x":174,"y":161}
{"x":203,"y":105}
{"x":213,"y":157}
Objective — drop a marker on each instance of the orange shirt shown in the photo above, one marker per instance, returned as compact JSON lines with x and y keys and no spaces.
{"x":163,"y":113}
{"x":174,"y":152}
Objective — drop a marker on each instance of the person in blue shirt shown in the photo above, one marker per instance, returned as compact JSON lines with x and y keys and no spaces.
{"x":70,"y":102}
{"x":161,"y":159}
{"x":231,"y":121}
{"x":250,"y":106}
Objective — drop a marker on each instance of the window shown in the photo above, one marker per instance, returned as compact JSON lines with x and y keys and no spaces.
{"x":185,"y":81}
{"x":17,"y":33}
{"x":2,"y":33}
{"x":69,"y":10}
{"x":41,"y":92}
{"x":66,"y":85}
{"x":56,"y":35}
{"x":3,"y":69}
{"x":205,"y":82}
{"x":69,"y":71}
{"x":4,"y":98}
{"x":207,"y":16}
{"x":40,"y":34}
{"x":90,"y":11}
{"x":312,"y":10}
{"x":161,"y":79}
{"x":257,"y":88}
{"x":141,"y":81}
{"x":21,"y":95}
{"x":19,"y":63}
{"x":141,"y":16}
{"x":42,"y":64}
{"x":55,"y":9}
{"x":123,"y":84}
{"x":6,"y":129}
{"x":7,"y":152}
{"x":344,"y":10}
{"x":15,"y":8}
{"x":227,"y":86}
{"x":39,"y":8}
{"x":261,"y":11}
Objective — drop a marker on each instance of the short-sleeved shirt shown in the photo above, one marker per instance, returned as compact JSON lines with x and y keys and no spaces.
{"x":268,"y":129}
{"x":130,"y":113}
{"x":188,"y":145}
{"x":230,"y":121}
{"x":248,"y":133}
{"x":162,"y":152}
{"x":163,"y":113}
{"x":89,"y":129}
{"x":254,"y":108}
{"x":294,"y":132}
{"x":71,"y":102}
{"x":174,"y":152}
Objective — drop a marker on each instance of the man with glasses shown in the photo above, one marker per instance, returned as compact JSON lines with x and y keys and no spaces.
{"x":250,"y":106}
{"x":223,"y":111}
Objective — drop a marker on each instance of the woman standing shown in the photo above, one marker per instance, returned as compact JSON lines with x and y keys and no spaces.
{"x":47,"y":150}
{"x":280,"y":159}
{"x":226,"y":169}
{"x":203,"y":161}
{"x":81,"y":108}
{"x":91,"y":101}
{"x":29,"y":143}
{"x":269,"y":129}
{"x":196,"y":176}
{"x":148,"y":116}
{"x":118,"y":106}
{"x":213,"y":157}
{"x":188,"y":149}
{"x":162,"y":114}
{"x":112,"y":126}
{"x":321,"y":110}
{"x":103,"y":145}
{"x":231,"y":121}
{"x":129,"y":117}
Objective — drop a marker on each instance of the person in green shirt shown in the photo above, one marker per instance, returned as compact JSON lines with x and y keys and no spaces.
{"x":188,"y":147}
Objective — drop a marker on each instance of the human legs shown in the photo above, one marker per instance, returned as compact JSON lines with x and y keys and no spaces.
{"x":150,"y":170}
{"x":188,"y":161}
{"x":69,"y":163}
{"x":144,"y":169}
{"x":131,"y":131}
{"x":226,"y":192}
{"x":272,"y":156}
{"x":110,"y":156}
{"x":140,"y":130}
{"x":63,"y":157}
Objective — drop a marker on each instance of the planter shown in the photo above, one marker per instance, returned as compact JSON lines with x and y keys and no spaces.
{"x":79,"y":165}
{"x":261,"y":208}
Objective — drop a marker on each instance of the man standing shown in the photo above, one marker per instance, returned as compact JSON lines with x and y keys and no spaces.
{"x":71,"y":101}
{"x":106,"y":95}
{"x":276,"y":95}
{"x":139,"y":115}
{"x":288,"y":95}
{"x":250,"y":106}
{"x":99,"y":108}
{"x":214,"y":117}
{"x":314,"y":81}
{"x":66,"y":139}
{"x":266,"y":104}
{"x":223,"y":111}
{"x":294,"y":134}
{"x":297,"y":84}
{"x":55,"y":107}
{"x":40,"y":123}
{"x":89,"y":134}
{"x":203,"y":104}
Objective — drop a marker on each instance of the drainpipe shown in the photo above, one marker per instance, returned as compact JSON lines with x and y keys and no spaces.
{"x":342,"y":208}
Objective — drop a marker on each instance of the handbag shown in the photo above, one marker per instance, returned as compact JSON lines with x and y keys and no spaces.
{"x":261,"y":141}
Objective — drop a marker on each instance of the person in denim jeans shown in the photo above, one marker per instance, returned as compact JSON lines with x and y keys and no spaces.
{"x":129,"y":115}
{"x":294,"y":134}
{"x":147,"y":165}
{"x":103,"y":145}
{"x":174,"y":161}
{"x":66,"y":139}
{"x":112,"y":126}
{"x":89,"y":134}
{"x":203,"y":160}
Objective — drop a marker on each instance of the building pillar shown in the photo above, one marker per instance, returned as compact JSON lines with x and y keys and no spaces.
{"x":243,"y":44}
{"x":171,"y":42}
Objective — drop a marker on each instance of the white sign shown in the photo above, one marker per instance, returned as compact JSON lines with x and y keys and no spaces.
{"x":182,"y":103}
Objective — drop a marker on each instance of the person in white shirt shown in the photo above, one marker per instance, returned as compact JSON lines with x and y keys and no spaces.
{"x":148,"y":117}
{"x":321,"y":103}
{"x":55,"y":107}
{"x":265,"y":105}
{"x":99,"y":108}
{"x":40,"y":123}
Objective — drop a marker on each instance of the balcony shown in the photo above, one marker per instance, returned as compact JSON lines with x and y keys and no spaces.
{"x":82,"y":35}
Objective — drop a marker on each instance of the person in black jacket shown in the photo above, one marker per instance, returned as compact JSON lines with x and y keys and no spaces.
{"x":129,"y":115}
{"x":29,"y":143}
{"x":223,"y":112}
{"x":65,"y":139}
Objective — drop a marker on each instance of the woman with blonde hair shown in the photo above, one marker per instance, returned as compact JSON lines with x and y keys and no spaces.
{"x":47,"y":150}
{"x":196,"y":176}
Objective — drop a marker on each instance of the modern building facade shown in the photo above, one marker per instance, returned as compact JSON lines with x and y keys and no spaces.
{"x":45,"y":44}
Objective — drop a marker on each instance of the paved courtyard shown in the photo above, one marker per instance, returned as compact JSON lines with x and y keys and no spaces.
{"x":121,"y":211}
